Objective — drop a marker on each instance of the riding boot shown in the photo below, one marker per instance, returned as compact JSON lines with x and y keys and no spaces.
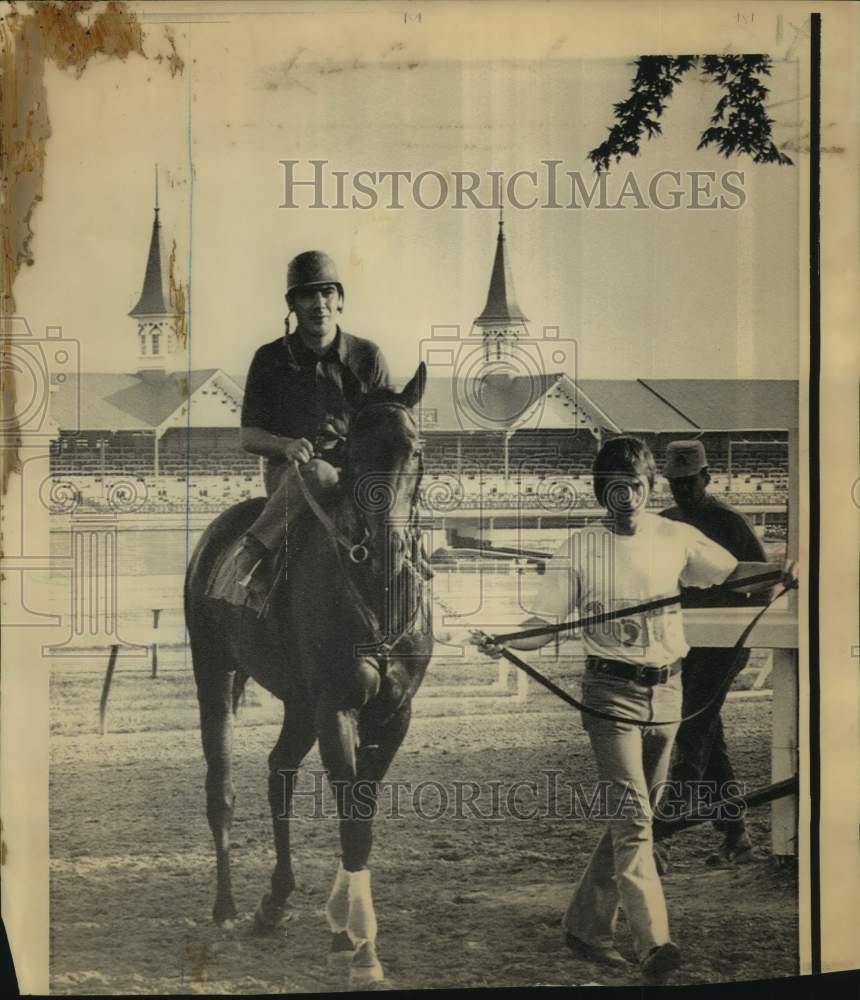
{"x":249,"y":560}
{"x":239,"y":578}
{"x":245,"y":581}
{"x":252,"y":561}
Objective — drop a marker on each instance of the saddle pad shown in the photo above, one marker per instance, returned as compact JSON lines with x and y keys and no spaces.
{"x":223,"y":582}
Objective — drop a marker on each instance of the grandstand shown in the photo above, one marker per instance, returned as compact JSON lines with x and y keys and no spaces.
{"x":743,"y":424}
{"x":186,"y":452}
{"x":150,"y":441}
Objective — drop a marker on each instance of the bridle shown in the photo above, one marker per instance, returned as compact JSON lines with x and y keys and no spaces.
{"x":359,"y":552}
{"x":417,"y":452}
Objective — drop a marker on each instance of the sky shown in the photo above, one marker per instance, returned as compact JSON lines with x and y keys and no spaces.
{"x":644,"y":292}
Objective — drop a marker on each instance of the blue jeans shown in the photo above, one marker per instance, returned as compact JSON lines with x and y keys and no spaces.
{"x":632,"y":763}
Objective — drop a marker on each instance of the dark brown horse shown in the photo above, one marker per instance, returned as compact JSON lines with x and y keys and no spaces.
{"x":345,"y":646}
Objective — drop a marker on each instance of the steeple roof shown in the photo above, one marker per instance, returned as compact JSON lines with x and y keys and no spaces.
{"x":501,"y":308}
{"x":151,"y":301}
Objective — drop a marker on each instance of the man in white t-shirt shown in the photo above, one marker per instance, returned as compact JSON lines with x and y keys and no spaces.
{"x":632,"y":671}
{"x":600,"y":569}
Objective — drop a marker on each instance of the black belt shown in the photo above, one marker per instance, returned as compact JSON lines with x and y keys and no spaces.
{"x":638,"y":673}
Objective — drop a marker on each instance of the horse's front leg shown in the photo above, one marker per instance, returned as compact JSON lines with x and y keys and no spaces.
{"x":355,"y":767}
{"x":296,"y":739}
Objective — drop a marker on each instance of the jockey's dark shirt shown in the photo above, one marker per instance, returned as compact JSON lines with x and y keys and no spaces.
{"x":729,"y":528}
{"x":293,"y":392}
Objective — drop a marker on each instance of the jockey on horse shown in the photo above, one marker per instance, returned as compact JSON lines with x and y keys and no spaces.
{"x":347,"y":649}
{"x":294,"y":412}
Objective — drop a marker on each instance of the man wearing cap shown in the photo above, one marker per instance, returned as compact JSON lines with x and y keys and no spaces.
{"x":295,"y":411}
{"x":701,"y":754}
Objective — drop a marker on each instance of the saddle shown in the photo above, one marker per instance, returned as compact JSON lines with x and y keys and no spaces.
{"x":224,"y":583}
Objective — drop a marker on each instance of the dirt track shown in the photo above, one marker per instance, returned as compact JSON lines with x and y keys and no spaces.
{"x":461,"y":902}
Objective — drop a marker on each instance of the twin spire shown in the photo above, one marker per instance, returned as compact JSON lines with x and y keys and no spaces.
{"x":151,"y":301}
{"x":501,"y":309}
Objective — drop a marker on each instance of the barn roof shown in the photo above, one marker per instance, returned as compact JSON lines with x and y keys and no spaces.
{"x":653,"y":405}
{"x":122,"y":402}
{"x":110,"y":401}
{"x":632,"y":406}
{"x":499,"y":399}
{"x":733,"y":404}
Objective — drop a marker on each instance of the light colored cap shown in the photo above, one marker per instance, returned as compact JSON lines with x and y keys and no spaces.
{"x":684,"y":458}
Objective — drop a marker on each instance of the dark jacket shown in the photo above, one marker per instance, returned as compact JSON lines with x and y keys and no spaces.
{"x":293,"y":393}
{"x":729,"y":528}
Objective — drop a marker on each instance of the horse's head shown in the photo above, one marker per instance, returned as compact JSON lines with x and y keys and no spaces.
{"x":385,"y":467}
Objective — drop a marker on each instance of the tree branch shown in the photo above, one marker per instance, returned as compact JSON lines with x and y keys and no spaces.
{"x":747,"y":127}
{"x":640,"y":114}
{"x":739,"y":123}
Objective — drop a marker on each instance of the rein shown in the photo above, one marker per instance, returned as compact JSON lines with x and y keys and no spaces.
{"x":359,"y":553}
{"x":339,"y":541}
{"x":662,"y":602}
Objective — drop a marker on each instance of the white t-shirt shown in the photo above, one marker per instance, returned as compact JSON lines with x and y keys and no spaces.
{"x":596,"y":571}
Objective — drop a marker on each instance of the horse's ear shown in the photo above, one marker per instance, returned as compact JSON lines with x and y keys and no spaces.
{"x":353,"y":391}
{"x":411,"y":395}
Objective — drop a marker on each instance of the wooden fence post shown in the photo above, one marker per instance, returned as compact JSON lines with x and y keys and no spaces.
{"x":156,"y":612}
{"x":784,"y":755}
{"x":106,"y":688}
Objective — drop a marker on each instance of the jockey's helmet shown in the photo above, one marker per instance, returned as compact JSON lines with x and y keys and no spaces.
{"x":313,"y":267}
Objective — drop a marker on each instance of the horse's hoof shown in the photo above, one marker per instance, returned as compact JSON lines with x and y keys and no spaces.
{"x":224,"y":916}
{"x":365,"y":969}
{"x":341,"y":952}
{"x":269,"y":918}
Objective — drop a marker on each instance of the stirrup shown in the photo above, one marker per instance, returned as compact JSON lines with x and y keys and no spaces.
{"x":245,"y":582}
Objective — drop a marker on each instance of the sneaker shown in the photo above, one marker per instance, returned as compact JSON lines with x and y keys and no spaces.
{"x":593,"y":953}
{"x":660,"y":962}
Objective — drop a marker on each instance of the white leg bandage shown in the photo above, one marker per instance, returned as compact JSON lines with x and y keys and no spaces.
{"x":361,"y":924}
{"x":337,"y":907}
